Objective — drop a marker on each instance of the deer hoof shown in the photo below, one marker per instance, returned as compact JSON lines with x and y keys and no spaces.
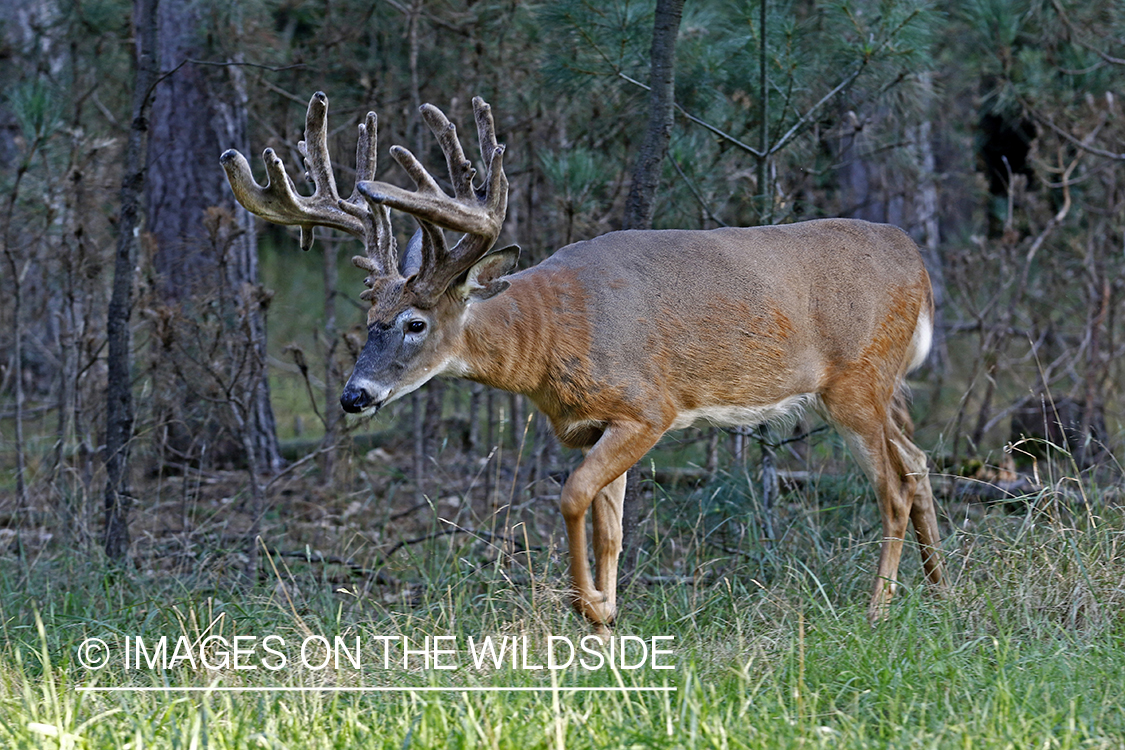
{"x":599,"y":612}
{"x":603,"y":633}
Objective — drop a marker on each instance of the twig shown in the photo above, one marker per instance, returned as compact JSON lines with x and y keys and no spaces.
{"x":355,"y":568}
{"x":448,"y":532}
{"x":30,"y":410}
{"x":736,"y":552}
{"x":1051,"y":224}
{"x":702,"y":203}
{"x":724,"y":135}
{"x":404,"y":513}
{"x":789,"y":134}
{"x":793,"y":131}
{"x":278,"y":90}
{"x":303,"y":367}
{"x":1082,"y":144}
{"x":1070,"y":27}
{"x":795,"y":438}
{"x":429,"y":17}
{"x":296,"y":464}
{"x":658,"y":579}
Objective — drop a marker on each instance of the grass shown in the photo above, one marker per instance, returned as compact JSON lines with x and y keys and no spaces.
{"x":771,"y":645}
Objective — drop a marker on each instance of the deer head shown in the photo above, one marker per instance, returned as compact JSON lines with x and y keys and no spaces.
{"x":416,"y":300}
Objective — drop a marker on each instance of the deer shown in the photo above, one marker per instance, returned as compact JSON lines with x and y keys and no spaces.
{"x":624,"y":337}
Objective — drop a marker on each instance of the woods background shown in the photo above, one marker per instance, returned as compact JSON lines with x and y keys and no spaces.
{"x":170,"y":367}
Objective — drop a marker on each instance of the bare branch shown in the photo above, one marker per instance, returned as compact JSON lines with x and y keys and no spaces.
{"x":722,"y":134}
{"x":1105,"y":57}
{"x":793,"y":131}
{"x":448,"y":531}
{"x":789,"y":134}
{"x":1066,"y":135}
{"x":699,"y":198}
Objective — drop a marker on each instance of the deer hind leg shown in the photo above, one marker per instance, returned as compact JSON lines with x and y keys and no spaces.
{"x":871,"y":434}
{"x":600,"y":480}
{"x":923,"y":511}
{"x":879,"y":436}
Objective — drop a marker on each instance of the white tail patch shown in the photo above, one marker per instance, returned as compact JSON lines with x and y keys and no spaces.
{"x":922,"y":341}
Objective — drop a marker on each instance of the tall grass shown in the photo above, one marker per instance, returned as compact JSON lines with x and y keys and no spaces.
{"x":771,"y":648}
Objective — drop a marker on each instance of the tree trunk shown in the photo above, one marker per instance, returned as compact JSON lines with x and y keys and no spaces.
{"x":432,"y":426}
{"x":714,"y":435}
{"x":18,"y":276}
{"x":244,"y":270}
{"x":765,"y":193}
{"x":331,"y":379}
{"x":119,"y":396}
{"x":472,"y":439}
{"x":194,"y":118}
{"x":770,"y":483}
{"x":490,"y":445}
{"x":640,"y":206}
{"x":418,"y":464}
{"x":184,"y":150}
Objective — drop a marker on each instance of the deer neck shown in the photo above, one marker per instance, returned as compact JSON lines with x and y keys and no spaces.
{"x":533,"y":339}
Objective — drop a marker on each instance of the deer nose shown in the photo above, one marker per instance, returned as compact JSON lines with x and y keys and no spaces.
{"x":354,"y":399}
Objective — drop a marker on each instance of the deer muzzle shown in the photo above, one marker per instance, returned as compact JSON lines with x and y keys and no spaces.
{"x":356,"y":399}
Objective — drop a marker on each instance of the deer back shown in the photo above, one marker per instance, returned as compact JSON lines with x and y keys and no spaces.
{"x":670,"y":326}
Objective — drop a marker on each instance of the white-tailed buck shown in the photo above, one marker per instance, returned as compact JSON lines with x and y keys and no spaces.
{"x":624,"y":337}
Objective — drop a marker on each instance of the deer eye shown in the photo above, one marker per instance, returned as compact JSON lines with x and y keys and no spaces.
{"x":416,"y":326}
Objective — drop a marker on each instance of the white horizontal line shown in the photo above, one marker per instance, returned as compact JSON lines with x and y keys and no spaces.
{"x":329,"y":689}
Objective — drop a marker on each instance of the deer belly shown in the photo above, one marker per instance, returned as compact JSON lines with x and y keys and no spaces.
{"x":727,"y":415}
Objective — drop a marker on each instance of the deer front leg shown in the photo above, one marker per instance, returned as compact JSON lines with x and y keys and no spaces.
{"x":601,"y":472}
{"x":608,"y":507}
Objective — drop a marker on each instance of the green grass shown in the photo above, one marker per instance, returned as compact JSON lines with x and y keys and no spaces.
{"x":771,"y":648}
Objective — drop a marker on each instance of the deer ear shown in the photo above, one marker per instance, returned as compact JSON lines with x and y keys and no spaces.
{"x":483,"y":280}
{"x":410,"y":261}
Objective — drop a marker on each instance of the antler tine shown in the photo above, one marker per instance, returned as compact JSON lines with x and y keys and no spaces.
{"x":366,"y":148}
{"x":279,"y":202}
{"x":473,"y":211}
{"x":461,"y":170}
{"x":495,"y":189}
{"x":318,"y":164}
{"x":429,"y":202}
{"x":478,"y":212}
{"x":381,"y":256}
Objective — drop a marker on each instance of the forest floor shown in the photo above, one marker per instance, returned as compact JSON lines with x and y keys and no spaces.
{"x":366,"y":594}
